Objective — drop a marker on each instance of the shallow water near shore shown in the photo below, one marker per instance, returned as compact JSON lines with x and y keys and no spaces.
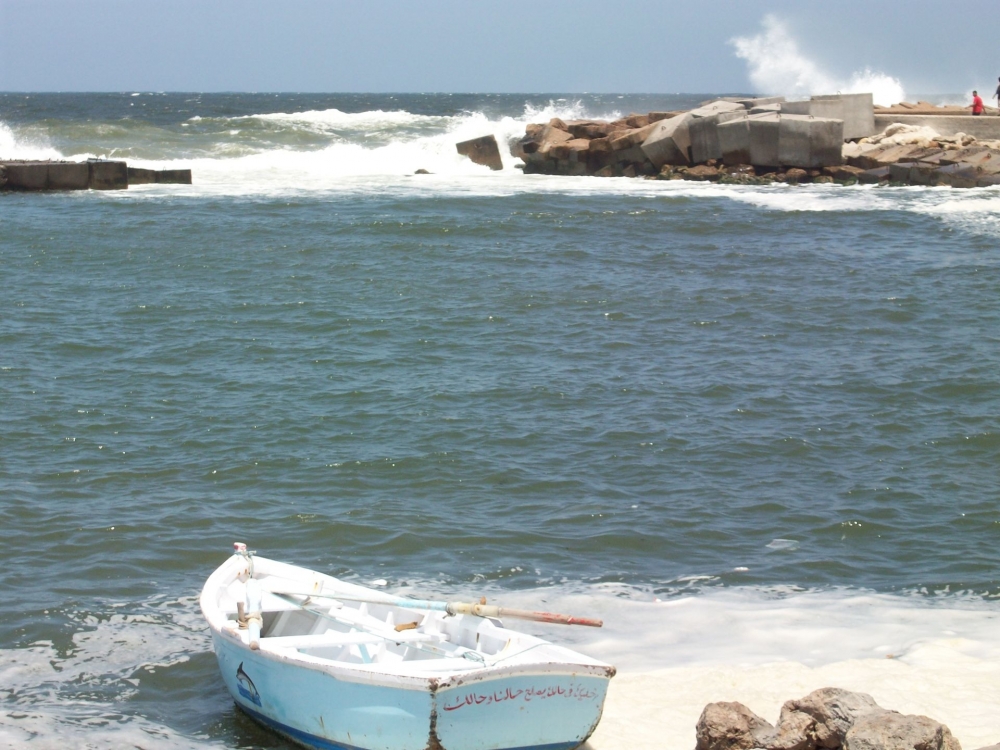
{"x":744,"y":425}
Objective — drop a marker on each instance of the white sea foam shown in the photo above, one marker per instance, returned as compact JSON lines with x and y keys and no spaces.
{"x":14,"y":147}
{"x":936,"y":656}
{"x":334,"y":119}
{"x":777,"y":66}
{"x":78,"y":696}
{"x":763,"y":647}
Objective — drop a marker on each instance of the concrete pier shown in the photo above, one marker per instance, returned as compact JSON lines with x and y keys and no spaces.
{"x":94,"y":174}
{"x":139,"y":176}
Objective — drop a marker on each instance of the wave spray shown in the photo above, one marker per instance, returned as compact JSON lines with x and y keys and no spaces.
{"x":777,"y":66}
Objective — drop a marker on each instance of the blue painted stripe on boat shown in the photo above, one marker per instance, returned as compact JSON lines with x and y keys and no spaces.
{"x":311,"y":740}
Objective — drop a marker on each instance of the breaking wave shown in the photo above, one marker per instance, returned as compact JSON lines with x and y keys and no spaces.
{"x":777,"y":66}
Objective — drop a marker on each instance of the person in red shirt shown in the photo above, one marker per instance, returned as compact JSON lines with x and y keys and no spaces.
{"x":977,"y":103}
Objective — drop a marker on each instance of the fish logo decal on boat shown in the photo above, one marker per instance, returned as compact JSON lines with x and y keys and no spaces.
{"x":246,"y":687}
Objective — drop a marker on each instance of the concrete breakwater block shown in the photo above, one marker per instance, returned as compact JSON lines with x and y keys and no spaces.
{"x":702,"y":129}
{"x":856,"y":111}
{"x":108,"y":175}
{"x":140,"y":176}
{"x":764,"y":137}
{"x":174,"y":177}
{"x":482,"y":150}
{"x":779,"y":140}
{"x":751,"y":139}
{"x":704,"y":134}
{"x":94,"y":174}
{"x":734,"y":141}
{"x":28,"y":175}
{"x":669,"y":142}
{"x":810,"y":142}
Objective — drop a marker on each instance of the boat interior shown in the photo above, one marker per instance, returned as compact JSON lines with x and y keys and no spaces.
{"x":372,"y":633}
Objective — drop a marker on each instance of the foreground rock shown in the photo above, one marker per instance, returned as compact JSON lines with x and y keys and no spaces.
{"x":826,"y":719}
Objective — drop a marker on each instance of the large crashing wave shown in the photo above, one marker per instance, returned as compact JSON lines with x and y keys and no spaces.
{"x":777,"y":66}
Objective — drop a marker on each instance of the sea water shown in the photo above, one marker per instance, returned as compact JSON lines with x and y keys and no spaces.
{"x":755,"y":429}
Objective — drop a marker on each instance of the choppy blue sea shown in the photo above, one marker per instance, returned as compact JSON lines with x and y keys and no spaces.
{"x":459,"y":383}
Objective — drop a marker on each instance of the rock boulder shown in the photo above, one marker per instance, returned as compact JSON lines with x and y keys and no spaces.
{"x":483,"y":150}
{"x":730,"y":726}
{"x":889,"y":730}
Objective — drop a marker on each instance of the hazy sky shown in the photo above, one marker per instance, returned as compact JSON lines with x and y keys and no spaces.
{"x":653,"y":46}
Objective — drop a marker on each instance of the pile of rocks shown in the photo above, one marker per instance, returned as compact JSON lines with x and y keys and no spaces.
{"x":768,"y":134}
{"x":827,"y":139}
{"x":910,"y":155}
{"x":826,"y":719}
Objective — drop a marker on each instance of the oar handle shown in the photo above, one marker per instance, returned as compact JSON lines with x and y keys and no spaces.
{"x":488,"y":610}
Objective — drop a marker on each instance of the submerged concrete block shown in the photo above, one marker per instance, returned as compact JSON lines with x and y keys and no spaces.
{"x":174,"y":176}
{"x":46,"y":175}
{"x":139,"y":176}
{"x":108,"y":175}
{"x":27,"y":175}
{"x":669,"y":142}
{"x":482,"y":150}
{"x":810,"y":142}
{"x":704,"y":135}
{"x":68,"y":176}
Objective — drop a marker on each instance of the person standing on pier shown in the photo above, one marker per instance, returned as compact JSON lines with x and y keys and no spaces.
{"x":977,"y":103}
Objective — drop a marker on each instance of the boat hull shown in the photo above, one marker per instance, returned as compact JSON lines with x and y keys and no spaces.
{"x":544,"y":709}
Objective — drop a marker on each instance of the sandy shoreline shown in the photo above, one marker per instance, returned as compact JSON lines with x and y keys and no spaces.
{"x":658,"y":710}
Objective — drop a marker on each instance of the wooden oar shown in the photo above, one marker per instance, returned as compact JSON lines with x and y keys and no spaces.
{"x":452,"y":608}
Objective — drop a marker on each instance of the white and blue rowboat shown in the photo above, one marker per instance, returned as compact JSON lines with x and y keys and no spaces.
{"x":331,"y":664}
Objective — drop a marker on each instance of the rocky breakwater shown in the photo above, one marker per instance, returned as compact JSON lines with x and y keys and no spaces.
{"x":917,"y":155}
{"x":826,"y":719}
{"x":93,"y":174}
{"x":826,"y":139}
{"x":741,"y":137}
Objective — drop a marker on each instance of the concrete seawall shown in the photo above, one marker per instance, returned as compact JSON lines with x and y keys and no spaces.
{"x":94,"y":174}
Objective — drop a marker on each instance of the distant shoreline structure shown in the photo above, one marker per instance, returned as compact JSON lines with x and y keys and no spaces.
{"x":93,"y":174}
{"x":840,"y":138}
